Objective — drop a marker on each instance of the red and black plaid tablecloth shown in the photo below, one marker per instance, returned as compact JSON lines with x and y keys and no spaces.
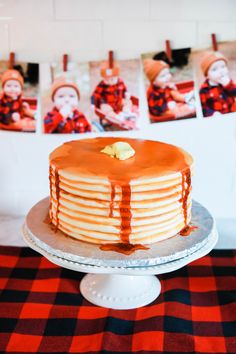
{"x":42,"y":310}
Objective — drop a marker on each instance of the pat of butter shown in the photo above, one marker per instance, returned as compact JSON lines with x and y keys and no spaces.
{"x":120,"y":150}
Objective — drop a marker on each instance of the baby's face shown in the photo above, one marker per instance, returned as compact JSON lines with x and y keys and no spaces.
{"x":111,"y":80}
{"x":217,"y":71}
{"x":12,"y":88}
{"x":66,"y":96}
{"x":163,"y":77}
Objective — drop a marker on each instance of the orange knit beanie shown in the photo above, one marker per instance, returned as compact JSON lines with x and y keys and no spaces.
{"x":12,"y":74}
{"x":209,"y":58}
{"x":107,"y":72}
{"x":63,"y":82}
{"x":153,"y":67}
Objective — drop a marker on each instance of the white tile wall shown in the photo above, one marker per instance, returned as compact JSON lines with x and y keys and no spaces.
{"x":42,"y":30}
{"x":48,"y":40}
{"x":4,"y":35}
{"x":27,"y":9}
{"x":101,"y":9}
{"x":180,"y":33}
{"x":224,"y":31}
{"x":182,"y":10}
{"x":141,"y":36}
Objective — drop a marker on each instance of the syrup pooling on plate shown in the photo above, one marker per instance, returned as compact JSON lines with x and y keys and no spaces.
{"x":103,"y":200}
{"x":125,"y":248}
{"x":186,"y":231}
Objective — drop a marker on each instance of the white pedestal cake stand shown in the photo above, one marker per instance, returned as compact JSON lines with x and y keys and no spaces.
{"x":115,"y":280}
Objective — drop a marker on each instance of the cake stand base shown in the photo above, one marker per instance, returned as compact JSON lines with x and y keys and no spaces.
{"x":117,"y":281}
{"x":120,"y":292}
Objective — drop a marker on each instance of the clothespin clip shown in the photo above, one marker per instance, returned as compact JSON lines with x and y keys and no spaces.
{"x":168,"y":50}
{"x":65,"y":62}
{"x":11,"y":61}
{"x":111,"y":59}
{"x":214,"y":42}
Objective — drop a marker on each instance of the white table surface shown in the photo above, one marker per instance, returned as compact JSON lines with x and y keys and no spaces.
{"x":10,"y":232}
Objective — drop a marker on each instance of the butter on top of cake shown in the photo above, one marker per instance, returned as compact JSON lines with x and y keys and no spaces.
{"x":120,"y":150}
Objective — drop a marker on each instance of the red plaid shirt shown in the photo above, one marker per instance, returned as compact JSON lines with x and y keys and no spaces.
{"x":54,"y":122}
{"x":8,"y":106}
{"x":109,"y":94}
{"x":157,"y":99}
{"x":218,"y":98}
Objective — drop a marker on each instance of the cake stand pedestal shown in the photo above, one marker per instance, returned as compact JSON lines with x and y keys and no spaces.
{"x":117,"y":281}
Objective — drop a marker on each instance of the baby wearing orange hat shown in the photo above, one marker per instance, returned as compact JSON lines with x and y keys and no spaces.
{"x":111,"y":95}
{"x":65,"y":117}
{"x":218,"y":92}
{"x":162,"y":95}
{"x":12,"y":108}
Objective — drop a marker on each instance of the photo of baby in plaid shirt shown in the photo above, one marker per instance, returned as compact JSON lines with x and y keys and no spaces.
{"x":218,"y":91}
{"x":169,"y":85}
{"x":15,"y":112}
{"x":65,"y":117}
{"x":112,"y":102}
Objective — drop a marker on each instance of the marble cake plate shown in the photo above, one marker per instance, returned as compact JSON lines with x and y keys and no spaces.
{"x":118,"y":281}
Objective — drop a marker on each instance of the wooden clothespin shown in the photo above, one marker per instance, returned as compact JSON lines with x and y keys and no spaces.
{"x":168,"y":50}
{"x":214,"y":42}
{"x":65,"y":62}
{"x":111,"y":59}
{"x":11,"y":61}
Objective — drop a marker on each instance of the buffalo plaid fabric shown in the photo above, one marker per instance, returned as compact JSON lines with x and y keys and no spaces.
{"x":218,"y":98}
{"x":109,"y":94}
{"x":42,"y":310}
{"x":9,"y":106}
{"x":54,"y":122}
{"x":158,"y":99}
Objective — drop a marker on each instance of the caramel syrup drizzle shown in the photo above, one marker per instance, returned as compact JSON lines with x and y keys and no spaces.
{"x":57,"y":181}
{"x":50,"y":186}
{"x":113,"y":193}
{"x":125,"y":213}
{"x":186,"y":178}
{"x":124,"y":246}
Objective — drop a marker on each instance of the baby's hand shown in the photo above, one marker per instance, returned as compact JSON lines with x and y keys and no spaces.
{"x":127,"y":105}
{"x":16,"y":116}
{"x":66,"y":111}
{"x":106,"y":108}
{"x":171,"y":104}
{"x":224,"y":80}
{"x":171,"y":85}
{"x":216,"y":113}
{"x":127,"y":95}
{"x":26,"y":105}
{"x":189,"y":96}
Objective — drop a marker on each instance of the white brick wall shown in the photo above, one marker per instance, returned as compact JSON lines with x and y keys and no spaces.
{"x":86,"y":29}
